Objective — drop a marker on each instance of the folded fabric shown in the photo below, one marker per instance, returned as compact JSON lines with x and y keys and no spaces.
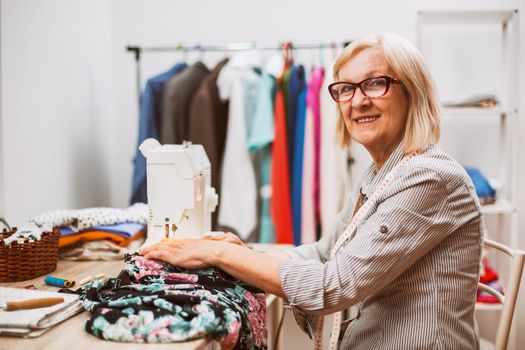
{"x":488,"y":274}
{"x":488,"y":277}
{"x":484,"y":297}
{"x":82,"y":219}
{"x":484,"y":190}
{"x":33,"y":322}
{"x":155,"y":302}
{"x":479,"y":100}
{"x":125,"y":229}
{"x":98,"y":250}
{"x":28,"y":231}
{"x":95,"y":235}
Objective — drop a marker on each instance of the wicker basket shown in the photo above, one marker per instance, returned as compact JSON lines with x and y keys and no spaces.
{"x":29,"y":259}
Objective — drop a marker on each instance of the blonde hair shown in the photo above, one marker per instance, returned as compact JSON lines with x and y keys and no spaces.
{"x":406,"y":63}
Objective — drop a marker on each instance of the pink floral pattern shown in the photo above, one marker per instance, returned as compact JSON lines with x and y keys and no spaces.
{"x":148,"y":267}
{"x":155,"y":302}
{"x":257,"y":317}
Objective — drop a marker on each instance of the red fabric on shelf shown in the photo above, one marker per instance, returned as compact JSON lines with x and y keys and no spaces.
{"x":490,"y":274}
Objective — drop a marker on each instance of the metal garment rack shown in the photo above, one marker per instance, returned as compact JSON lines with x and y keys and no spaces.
{"x":139,"y":50}
{"x":286,"y":46}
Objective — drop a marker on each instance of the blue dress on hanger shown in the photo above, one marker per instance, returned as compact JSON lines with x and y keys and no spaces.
{"x":297,"y":167}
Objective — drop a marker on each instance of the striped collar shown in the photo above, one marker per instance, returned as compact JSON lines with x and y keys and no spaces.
{"x":372,"y":178}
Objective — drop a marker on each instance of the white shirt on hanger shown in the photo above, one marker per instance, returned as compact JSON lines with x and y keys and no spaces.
{"x":238,"y":208}
{"x":335,"y":186}
{"x":308,"y":233}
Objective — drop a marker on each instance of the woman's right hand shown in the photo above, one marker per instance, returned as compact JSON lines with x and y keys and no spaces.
{"x":225,"y":237}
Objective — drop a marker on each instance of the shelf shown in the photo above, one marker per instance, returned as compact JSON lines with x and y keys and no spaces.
{"x":466,"y":34}
{"x":488,"y":307}
{"x":488,"y":16}
{"x":474,"y":112}
{"x":502,"y":206}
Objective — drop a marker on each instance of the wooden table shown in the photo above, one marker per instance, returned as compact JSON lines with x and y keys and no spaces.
{"x":70,"y":334}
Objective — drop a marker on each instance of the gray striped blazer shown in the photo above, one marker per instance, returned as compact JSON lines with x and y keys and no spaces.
{"x":412,"y":267}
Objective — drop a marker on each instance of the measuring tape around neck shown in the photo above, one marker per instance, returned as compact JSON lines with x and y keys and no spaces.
{"x":356,"y":219}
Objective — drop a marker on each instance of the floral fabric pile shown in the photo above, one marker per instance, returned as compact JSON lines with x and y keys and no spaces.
{"x":155,"y":302}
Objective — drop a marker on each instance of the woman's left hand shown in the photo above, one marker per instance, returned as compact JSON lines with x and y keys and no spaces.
{"x":188,"y":253}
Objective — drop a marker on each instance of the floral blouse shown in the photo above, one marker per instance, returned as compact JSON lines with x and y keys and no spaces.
{"x":155,"y":302}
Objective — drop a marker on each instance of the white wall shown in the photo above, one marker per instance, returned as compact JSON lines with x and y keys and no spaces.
{"x":68,"y":97}
{"x":1,"y":133}
{"x":56,"y":102}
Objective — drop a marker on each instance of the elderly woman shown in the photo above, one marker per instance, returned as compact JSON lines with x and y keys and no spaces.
{"x":406,"y":251}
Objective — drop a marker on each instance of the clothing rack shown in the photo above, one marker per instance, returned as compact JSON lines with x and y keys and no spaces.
{"x":139,"y":50}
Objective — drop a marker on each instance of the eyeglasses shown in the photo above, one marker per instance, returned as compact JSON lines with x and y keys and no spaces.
{"x":343,"y":91}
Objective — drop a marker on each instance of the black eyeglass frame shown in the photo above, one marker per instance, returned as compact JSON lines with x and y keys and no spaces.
{"x":388,"y":78}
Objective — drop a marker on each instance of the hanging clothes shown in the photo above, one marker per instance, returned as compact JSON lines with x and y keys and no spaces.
{"x":207,"y":123}
{"x":155,"y":302}
{"x":317,"y":170}
{"x":297,"y":165}
{"x":260,"y":141}
{"x":176,"y":100}
{"x":281,"y":206}
{"x":309,"y":220}
{"x":308,"y":225}
{"x":285,"y":83}
{"x":335,"y":187}
{"x":149,"y":124}
{"x":238,"y":82}
{"x":295,"y":86}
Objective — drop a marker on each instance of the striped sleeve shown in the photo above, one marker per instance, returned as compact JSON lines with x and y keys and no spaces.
{"x":320,"y":250}
{"x":412,"y":217}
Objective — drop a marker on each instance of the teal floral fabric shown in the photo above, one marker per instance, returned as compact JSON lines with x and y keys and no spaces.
{"x":152,"y":301}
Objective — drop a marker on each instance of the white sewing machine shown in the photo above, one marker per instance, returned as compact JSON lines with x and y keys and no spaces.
{"x":180,"y":195}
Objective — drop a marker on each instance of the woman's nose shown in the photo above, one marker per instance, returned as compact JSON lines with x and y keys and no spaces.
{"x":359,"y":99}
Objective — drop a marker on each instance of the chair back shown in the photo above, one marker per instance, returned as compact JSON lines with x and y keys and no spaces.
{"x":509,"y":299}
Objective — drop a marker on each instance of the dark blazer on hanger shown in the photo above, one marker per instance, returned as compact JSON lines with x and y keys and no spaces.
{"x":207,"y":124}
{"x":178,"y":93}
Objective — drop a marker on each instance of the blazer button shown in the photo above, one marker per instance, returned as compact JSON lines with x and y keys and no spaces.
{"x":383,"y":229}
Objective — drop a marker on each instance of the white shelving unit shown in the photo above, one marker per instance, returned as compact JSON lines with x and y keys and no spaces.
{"x":493,"y":45}
{"x":476,"y":112}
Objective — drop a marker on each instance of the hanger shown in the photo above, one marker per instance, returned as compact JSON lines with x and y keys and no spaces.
{"x":287,"y":53}
{"x":200,"y":50}
{"x":321,"y":54}
{"x":334,"y":50}
{"x":180,"y":47}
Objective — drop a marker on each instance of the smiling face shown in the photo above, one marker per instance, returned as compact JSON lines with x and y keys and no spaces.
{"x":376,"y":123}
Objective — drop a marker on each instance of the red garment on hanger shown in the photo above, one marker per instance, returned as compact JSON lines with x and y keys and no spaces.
{"x":281,"y":204}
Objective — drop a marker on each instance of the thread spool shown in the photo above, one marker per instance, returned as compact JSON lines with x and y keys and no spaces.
{"x":59,"y":282}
